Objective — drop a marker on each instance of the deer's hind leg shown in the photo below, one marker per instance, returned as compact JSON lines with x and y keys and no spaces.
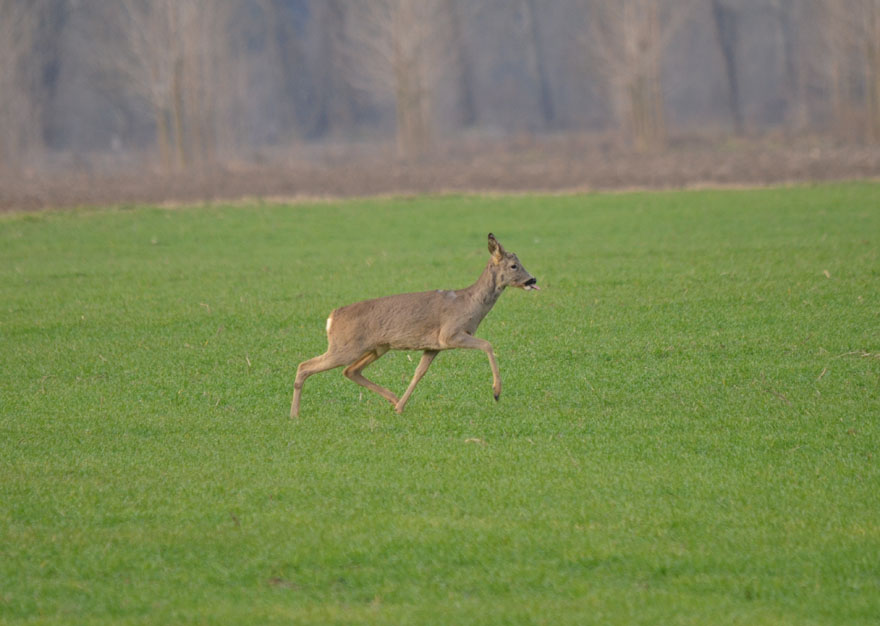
{"x":424,"y":364}
{"x":322,"y":363}
{"x":353,"y":372}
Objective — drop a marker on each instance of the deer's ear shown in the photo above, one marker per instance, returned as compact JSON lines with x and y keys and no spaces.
{"x":495,"y":248}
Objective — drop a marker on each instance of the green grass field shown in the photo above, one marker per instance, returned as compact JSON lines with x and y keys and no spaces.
{"x":689,"y":431}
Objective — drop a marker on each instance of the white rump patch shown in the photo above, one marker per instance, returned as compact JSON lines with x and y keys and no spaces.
{"x":329,"y":323}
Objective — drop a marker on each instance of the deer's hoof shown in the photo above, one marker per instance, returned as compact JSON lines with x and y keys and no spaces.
{"x":497,"y":396}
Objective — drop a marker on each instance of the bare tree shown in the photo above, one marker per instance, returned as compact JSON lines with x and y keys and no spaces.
{"x":151,"y":60}
{"x":173,"y":54}
{"x":334,"y":98}
{"x":872,"y":67}
{"x":463,"y":63}
{"x":795,"y":27}
{"x":853,"y":66}
{"x":212,"y":82}
{"x":626,"y":42}
{"x":19,"y":121}
{"x":535,"y":60}
{"x":724,"y":18}
{"x":399,"y":48}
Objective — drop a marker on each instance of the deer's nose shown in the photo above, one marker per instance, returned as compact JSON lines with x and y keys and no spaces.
{"x":531,"y":282}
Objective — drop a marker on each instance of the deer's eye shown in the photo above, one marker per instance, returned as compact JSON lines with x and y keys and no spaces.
{"x":513,"y":267}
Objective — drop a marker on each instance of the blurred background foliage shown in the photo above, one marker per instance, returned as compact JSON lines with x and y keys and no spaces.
{"x":181,"y":85}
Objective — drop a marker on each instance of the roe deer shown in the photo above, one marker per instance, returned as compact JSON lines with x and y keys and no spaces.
{"x":432,"y":321}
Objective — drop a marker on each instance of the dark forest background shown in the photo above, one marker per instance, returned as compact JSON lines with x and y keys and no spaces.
{"x":184,"y":87}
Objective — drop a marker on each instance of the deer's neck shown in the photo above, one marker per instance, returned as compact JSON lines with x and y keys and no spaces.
{"x":484,"y":293}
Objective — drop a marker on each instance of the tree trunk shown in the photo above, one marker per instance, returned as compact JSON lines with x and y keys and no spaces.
{"x":463,"y":66}
{"x":177,"y":114}
{"x":645,"y":90}
{"x":872,"y":72}
{"x":410,"y":96}
{"x":535,"y":54}
{"x":162,"y":136}
{"x":725,"y":30}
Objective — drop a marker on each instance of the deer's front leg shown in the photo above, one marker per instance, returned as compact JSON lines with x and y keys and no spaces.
{"x":464,"y":340}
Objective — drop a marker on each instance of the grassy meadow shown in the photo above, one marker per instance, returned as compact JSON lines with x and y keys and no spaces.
{"x":689,"y":431}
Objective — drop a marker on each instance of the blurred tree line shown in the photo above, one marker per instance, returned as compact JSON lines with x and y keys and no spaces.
{"x":192,"y":82}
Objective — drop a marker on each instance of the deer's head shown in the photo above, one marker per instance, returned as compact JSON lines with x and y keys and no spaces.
{"x":508,"y":271}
